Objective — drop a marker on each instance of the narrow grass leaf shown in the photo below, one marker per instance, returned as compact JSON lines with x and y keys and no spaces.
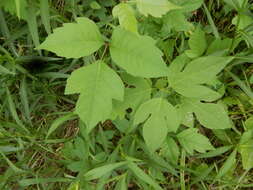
{"x":33,"y":181}
{"x":228,"y":164}
{"x":45,"y":15}
{"x":17,"y":2}
{"x":13,"y":111}
{"x":211,"y":22}
{"x":74,"y":186}
{"x":242,"y":85}
{"x":24,"y":98}
{"x":100,"y":171}
{"x":53,"y":75}
{"x":59,"y":121}
{"x":33,"y":25}
{"x":4,"y":70}
{"x":122,"y":185}
{"x":12,"y":166}
{"x":143,"y":176}
{"x":6,"y":33}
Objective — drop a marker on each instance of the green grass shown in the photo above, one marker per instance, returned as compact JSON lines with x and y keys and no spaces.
{"x":45,"y":146}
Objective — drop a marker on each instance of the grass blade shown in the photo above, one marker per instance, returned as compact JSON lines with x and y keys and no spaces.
{"x":242,"y":85}
{"x":143,"y":176}
{"x":33,"y":26}
{"x":33,"y":181}
{"x":211,"y":22}
{"x":100,"y":171}
{"x":17,"y":2}
{"x":59,"y":121}
{"x":45,"y":15}
{"x":74,"y":186}
{"x":12,"y":166}
{"x":24,"y":99}
{"x":13,"y":110}
{"x":6,"y":33}
{"x":229,"y":163}
{"x":3,"y":70}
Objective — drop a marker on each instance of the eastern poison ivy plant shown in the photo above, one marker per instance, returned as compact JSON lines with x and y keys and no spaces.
{"x":105,"y":85}
{"x":128,"y":75}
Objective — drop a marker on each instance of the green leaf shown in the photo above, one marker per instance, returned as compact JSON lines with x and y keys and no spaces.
{"x":143,"y":176}
{"x":161,"y":117}
{"x":138,"y":91}
{"x":170,"y":150}
{"x":4,"y":70}
{"x":74,"y":186}
{"x":122,"y":185}
{"x":100,"y":171}
{"x":45,"y":14}
{"x":34,"y":181}
{"x":251,"y":79}
{"x":249,"y":123}
{"x":244,"y":21}
{"x":18,"y":8}
{"x":246,"y":150}
{"x":59,"y":121}
{"x":197,"y":43}
{"x":33,"y":25}
{"x":200,"y":70}
{"x":138,"y":55}
{"x":217,"y":152}
{"x":125,"y":13}
{"x":191,"y":140}
{"x":188,"y":6}
{"x":228,"y":165}
{"x":177,"y":65}
{"x":212,"y":116}
{"x":176,"y":20}
{"x":200,"y":92}
{"x":219,"y":46}
{"x":247,"y":90}
{"x":15,"y":7}
{"x":95,"y":5}
{"x":203,"y":70}
{"x":74,"y":40}
{"x":98,"y":85}
{"x":186,"y":114}
{"x":11,"y":165}
{"x":155,"y":8}
{"x":211,"y":22}
{"x":233,"y":3}
{"x":24,"y":99}
{"x":13,"y":110}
